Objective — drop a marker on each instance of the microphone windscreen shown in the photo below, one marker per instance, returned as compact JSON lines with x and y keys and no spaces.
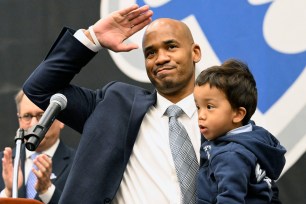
{"x":60,"y":99}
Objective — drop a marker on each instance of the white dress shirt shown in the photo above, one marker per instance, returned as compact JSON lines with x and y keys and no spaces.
{"x":150,"y":176}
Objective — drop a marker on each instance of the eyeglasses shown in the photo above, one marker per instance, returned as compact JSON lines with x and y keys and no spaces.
{"x":28,"y":117}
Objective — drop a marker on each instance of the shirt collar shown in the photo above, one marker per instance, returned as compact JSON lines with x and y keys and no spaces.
{"x":50,"y":152}
{"x":246,"y":128}
{"x":187,"y":105}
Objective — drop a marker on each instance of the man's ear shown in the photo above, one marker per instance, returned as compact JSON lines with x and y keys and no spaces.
{"x":196,"y":53}
{"x":239,"y":115}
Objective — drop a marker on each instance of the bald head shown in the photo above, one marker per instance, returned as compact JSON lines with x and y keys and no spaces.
{"x":168,"y":24}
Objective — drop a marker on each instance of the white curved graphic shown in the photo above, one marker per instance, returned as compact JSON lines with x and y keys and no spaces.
{"x":284,"y":26}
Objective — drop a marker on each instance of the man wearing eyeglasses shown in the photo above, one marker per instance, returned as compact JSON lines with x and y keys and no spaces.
{"x":53,"y":162}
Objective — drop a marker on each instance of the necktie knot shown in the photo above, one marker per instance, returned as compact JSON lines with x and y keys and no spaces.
{"x":174,"y":111}
{"x":33,"y":156}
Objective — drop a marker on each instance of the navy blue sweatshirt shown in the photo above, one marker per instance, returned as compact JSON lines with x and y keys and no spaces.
{"x":239,"y":168}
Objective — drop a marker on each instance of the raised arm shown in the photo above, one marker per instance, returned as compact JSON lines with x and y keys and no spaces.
{"x":120,"y":25}
{"x":69,"y":55}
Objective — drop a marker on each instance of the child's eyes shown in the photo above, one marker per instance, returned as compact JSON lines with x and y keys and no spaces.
{"x":209,"y":107}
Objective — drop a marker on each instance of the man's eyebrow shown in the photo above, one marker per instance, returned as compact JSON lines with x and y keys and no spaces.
{"x":170,"y":41}
{"x":166,"y":42}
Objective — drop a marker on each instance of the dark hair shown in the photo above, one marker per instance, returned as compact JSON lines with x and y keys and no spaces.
{"x":235,"y":79}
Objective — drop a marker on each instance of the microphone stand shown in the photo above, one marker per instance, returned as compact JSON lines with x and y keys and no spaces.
{"x":18,"y":140}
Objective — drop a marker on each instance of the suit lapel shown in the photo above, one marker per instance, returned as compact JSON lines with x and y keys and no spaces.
{"x":142,"y":101}
{"x":60,"y":161}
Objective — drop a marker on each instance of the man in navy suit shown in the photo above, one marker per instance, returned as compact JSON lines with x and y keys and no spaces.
{"x":54,"y":161}
{"x":124,"y":154}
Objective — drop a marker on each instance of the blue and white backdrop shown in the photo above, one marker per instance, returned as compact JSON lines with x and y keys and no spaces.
{"x":270,"y":35}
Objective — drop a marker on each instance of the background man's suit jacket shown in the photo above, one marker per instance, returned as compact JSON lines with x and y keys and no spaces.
{"x":62,"y":161}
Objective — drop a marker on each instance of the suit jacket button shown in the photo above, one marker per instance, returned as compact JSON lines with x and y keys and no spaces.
{"x":107,"y":200}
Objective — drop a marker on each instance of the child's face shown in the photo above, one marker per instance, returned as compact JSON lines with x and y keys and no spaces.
{"x":215,"y":114}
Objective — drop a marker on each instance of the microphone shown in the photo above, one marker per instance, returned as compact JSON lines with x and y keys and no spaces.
{"x":37,"y":132}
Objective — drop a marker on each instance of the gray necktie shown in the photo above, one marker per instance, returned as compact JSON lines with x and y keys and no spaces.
{"x":183,"y":154}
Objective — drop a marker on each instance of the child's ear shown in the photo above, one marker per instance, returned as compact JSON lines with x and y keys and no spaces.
{"x":240,"y":113}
